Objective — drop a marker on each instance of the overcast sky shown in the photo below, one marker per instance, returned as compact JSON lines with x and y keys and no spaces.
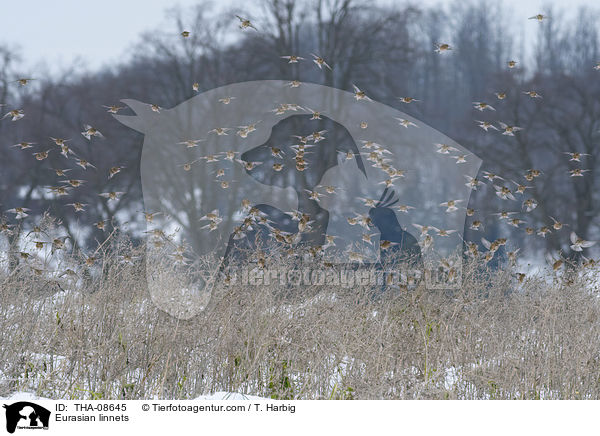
{"x":98,"y":32}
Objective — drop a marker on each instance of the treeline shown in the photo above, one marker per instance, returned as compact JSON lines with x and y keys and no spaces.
{"x":386,"y":51}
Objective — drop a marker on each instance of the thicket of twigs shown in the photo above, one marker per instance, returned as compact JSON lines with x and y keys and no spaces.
{"x":99,"y":335}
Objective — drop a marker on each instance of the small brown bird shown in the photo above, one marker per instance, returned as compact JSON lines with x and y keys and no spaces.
{"x":39,"y":244}
{"x":509,"y":130}
{"x":530,"y":204}
{"x":41,"y":155}
{"x":451,"y":205}
{"x":491,"y":176}
{"x":539,"y":17}
{"x":226,"y":100}
{"x":407,"y":99}
{"x":445,"y":148}
{"x":320,"y":62}
{"x":576,"y":156}
{"x":406,"y":123}
{"x":20,"y":212}
{"x":520,"y":188}
{"x":113,"y":171}
{"x":65,"y":151}
{"x":15,"y":114}
{"x":84,"y":164}
{"x":476,"y":225}
{"x":442,"y":48}
{"x":60,"y":190}
{"x":504,"y":193}
{"x":113,"y":109}
{"x":481,"y":106}
{"x":293,"y":59}
{"x":360,"y":95}
{"x":557,"y":225}
{"x":485,"y":125}
{"x":75,"y":183}
{"x":79,"y":207}
{"x":59,"y":141}
{"x":91,"y":131}
{"x":543,"y":231}
{"x":249,"y":166}
{"x":220,"y":130}
{"x":473,"y":182}
{"x":24,"y":145}
{"x":532,"y":94}
{"x":578,"y":244}
{"x":577,"y":172}
{"x":23,"y":81}
{"x":245,"y":23}
{"x":111,"y":195}
{"x":61,"y":172}
{"x":515,"y":222}
{"x":90,"y":260}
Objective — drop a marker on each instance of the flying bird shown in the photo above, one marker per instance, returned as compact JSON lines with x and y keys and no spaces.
{"x":245,"y":23}
{"x":578,"y":244}
{"x":15,"y":114}
{"x":539,"y":17}
{"x":320,"y":61}
{"x":293,"y":59}
{"x":442,"y":48}
{"x":481,"y":106}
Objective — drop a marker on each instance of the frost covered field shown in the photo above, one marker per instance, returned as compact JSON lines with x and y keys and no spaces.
{"x":103,"y":338}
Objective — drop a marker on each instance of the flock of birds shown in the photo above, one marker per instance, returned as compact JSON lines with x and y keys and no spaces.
{"x":507,"y":190}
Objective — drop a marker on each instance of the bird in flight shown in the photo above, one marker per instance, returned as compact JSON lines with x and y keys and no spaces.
{"x":485,"y":125}
{"x":23,"y":81}
{"x":509,"y":130}
{"x":113,"y":109}
{"x":360,"y":95}
{"x":406,"y":123}
{"x":576,"y":156}
{"x":320,"y":61}
{"x":539,"y":17}
{"x":245,"y":23}
{"x":481,"y":106}
{"x":442,"y":48}
{"x":407,"y":99}
{"x":578,"y":244}
{"x":293,"y":59}
{"x":15,"y":114}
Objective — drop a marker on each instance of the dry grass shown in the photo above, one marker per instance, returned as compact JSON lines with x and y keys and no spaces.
{"x":492,"y":339}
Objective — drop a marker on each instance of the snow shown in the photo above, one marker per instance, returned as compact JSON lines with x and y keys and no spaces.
{"x":228,"y":396}
{"x":22,"y":396}
{"x":29,"y":396}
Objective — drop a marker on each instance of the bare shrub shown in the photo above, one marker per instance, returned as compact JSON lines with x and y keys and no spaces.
{"x":494,"y":337}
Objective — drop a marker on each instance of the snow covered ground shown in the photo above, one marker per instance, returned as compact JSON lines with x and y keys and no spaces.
{"x":28,"y":396}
